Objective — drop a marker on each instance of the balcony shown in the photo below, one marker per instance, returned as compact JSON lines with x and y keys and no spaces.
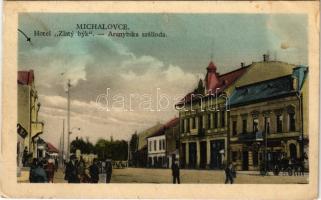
{"x":258,"y":136}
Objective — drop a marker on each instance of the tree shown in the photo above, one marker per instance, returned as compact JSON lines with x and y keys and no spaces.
{"x":134,"y":149}
{"x":113,"y":149}
{"x":200,"y":88}
{"x":85,"y":147}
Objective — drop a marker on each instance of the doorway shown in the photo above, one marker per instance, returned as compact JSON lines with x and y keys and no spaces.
{"x":245,"y":163}
{"x":203,"y":154}
{"x":192,"y":155}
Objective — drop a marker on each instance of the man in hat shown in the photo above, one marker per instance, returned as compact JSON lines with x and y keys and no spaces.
{"x":94,"y":171}
{"x":71,"y":173}
{"x":109,"y":170}
{"x":175,"y":172}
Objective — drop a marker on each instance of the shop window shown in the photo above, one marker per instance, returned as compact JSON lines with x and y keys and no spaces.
{"x":234,"y":128}
{"x":279,"y":123}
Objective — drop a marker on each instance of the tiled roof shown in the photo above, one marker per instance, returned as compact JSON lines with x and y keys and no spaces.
{"x":225,"y":80}
{"x":173,"y":122}
{"x":144,"y":134}
{"x":25,"y":77}
{"x":161,"y":131}
{"x":52,"y":148}
{"x":230,"y":77}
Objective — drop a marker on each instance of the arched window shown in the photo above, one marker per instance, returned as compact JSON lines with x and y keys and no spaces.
{"x":291,"y":116}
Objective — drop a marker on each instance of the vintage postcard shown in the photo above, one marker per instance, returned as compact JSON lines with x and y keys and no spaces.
{"x":160,"y":100}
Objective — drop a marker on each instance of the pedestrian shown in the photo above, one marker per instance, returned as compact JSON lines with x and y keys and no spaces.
{"x":94,"y":171}
{"x":25,"y":157}
{"x":81,"y":169}
{"x":71,"y":173}
{"x":229,"y":174}
{"x":50,"y":170}
{"x":109,"y":170}
{"x":38,"y":174}
{"x":56,"y":164}
{"x":32,"y":178}
{"x":175,"y":172}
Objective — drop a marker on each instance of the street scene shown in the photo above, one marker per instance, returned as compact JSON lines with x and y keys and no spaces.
{"x":162,"y":98}
{"x":143,"y":175}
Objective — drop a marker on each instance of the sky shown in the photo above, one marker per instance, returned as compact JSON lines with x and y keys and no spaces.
{"x":150,"y":68}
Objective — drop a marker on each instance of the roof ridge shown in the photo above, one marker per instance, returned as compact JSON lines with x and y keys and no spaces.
{"x":234,"y":70}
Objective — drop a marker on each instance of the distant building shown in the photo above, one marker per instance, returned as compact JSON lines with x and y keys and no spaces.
{"x":172,"y":141}
{"x":163,"y":145}
{"x":28,"y":124}
{"x":157,"y":149}
{"x":268,"y":115}
{"x":142,"y":151}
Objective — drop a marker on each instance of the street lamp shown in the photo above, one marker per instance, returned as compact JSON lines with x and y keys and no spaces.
{"x":68,"y":112}
{"x":68,"y":140}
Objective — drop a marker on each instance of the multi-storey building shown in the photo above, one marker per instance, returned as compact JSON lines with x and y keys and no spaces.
{"x":28,"y":124}
{"x":163,"y":145}
{"x":141,"y":154}
{"x":268,"y":115}
{"x":204,"y":120}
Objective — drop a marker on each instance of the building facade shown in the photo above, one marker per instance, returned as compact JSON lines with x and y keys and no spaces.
{"x":157,"y":150}
{"x":203,"y":116}
{"x":28,"y":108}
{"x":267,"y":117}
{"x":141,"y":154}
{"x":172,"y":141}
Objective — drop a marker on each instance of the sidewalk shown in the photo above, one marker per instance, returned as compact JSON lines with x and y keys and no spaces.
{"x":24,"y":176}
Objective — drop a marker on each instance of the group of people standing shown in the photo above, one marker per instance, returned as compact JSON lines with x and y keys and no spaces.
{"x":42,"y":171}
{"x":77,"y":172}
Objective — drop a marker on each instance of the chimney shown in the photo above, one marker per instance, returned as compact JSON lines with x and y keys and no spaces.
{"x":242,"y":64}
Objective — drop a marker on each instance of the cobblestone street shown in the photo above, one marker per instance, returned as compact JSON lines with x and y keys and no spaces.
{"x":142,"y":175}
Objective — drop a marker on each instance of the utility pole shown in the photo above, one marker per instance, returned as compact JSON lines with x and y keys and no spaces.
{"x":63,"y":142}
{"x":68,"y":118}
{"x":128,"y":152}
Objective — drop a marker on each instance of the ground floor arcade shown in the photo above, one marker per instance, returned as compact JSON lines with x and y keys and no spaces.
{"x":205,"y":153}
